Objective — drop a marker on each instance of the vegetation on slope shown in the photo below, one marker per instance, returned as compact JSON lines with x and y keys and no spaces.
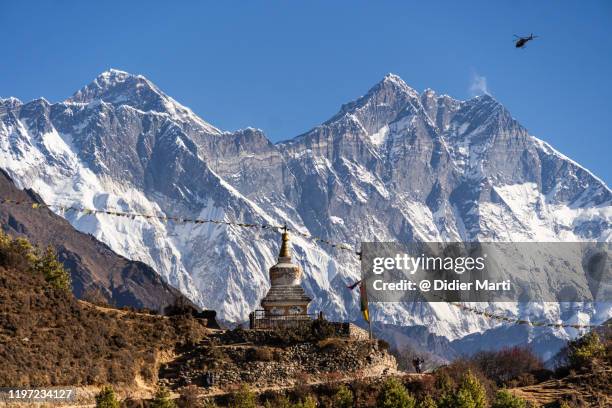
{"x":18,"y":253}
{"x":509,"y":378}
{"x":49,"y":338}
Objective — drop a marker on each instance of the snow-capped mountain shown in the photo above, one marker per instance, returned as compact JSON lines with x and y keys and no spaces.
{"x":393,"y":165}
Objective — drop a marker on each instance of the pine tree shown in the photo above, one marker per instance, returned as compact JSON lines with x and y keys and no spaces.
{"x":53,"y":270}
{"x":244,"y":398}
{"x":162,"y":399}
{"x":471,"y":393}
{"x":463,"y":399}
{"x":106,"y":398}
{"x":280,"y":401}
{"x":394,"y":395}
{"x":583,"y":351}
{"x":504,"y":399}
{"x":427,"y":402}
{"x":23,"y":247}
{"x":446,"y":387}
{"x":343,"y":397}
{"x":19,"y":253}
{"x":308,"y":402}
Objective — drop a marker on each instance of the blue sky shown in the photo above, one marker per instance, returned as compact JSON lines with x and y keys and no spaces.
{"x":285,"y":66}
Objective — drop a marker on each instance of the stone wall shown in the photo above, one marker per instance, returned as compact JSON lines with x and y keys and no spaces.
{"x":253,"y":357}
{"x":350,"y":330}
{"x":342,"y":329}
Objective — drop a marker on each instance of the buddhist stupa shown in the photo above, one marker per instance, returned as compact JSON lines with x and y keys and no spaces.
{"x":286,"y":296}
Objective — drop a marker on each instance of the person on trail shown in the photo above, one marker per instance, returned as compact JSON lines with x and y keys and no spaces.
{"x":417,"y":362}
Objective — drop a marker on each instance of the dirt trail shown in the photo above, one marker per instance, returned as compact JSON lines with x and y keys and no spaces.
{"x":118,"y":312}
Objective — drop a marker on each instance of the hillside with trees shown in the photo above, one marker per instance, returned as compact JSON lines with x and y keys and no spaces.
{"x":48,"y":337}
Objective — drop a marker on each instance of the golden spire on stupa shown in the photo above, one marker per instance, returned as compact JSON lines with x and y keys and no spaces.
{"x":285,"y":249}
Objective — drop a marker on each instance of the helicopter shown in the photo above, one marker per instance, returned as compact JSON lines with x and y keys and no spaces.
{"x":521,"y":42}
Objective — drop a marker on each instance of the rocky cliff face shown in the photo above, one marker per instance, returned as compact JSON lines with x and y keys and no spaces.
{"x":393,"y":165}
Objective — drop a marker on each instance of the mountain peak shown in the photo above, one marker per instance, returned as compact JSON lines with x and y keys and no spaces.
{"x":123,"y":88}
{"x":112,"y":72}
{"x":114,"y":76}
{"x":10,"y":101}
{"x":486,"y":101}
{"x":486,"y":97}
{"x":119,"y":87}
{"x":393,"y":77}
{"x":395,"y":82}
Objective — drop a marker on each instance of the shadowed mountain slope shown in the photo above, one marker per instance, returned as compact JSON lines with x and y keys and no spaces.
{"x":93,"y":266}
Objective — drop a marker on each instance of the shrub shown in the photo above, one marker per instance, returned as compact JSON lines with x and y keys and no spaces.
{"x":280,"y":401}
{"x":208,"y":404}
{"x":383,"y":345}
{"x":162,"y":399}
{"x":583,"y":351}
{"x":106,"y":398}
{"x":301,"y":390}
{"x":427,"y":402}
{"x":343,"y":397}
{"x":394,"y":395}
{"x":17,"y":253}
{"x":525,"y":379}
{"x":471,"y":393}
{"x":308,"y":402}
{"x":243,"y":398}
{"x":450,"y":378}
{"x":263,"y":354}
{"x":510,"y":364}
{"x":504,"y":399}
{"x":463,"y":399}
{"x":445,"y":387}
{"x":190,"y":398}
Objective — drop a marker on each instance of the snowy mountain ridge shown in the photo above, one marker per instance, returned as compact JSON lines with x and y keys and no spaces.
{"x":392,"y":165}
